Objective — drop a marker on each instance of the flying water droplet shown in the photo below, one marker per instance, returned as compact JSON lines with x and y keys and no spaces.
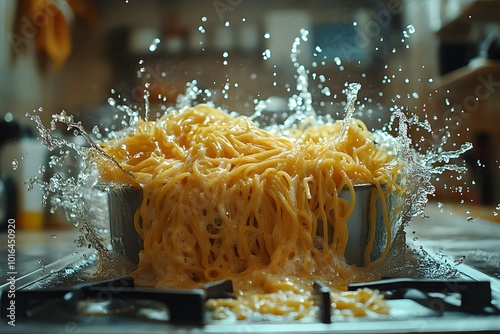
{"x":154,"y":45}
{"x":266,"y":54}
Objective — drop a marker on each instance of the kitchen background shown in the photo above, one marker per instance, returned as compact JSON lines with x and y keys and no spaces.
{"x":435,"y":58}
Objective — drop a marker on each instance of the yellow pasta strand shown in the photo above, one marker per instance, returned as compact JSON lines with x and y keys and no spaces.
{"x":223,"y":198}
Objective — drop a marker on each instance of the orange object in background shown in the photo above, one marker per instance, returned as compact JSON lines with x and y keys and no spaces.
{"x":54,"y":38}
{"x":33,"y":221}
{"x":49,"y":23}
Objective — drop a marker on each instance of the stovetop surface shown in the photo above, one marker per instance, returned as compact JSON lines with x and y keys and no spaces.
{"x":406,"y":316}
{"x":448,"y":243}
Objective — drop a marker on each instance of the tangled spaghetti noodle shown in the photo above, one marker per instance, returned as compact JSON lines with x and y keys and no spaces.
{"x":223,"y":198}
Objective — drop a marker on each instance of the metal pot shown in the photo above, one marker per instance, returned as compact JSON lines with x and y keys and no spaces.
{"x":123,"y":202}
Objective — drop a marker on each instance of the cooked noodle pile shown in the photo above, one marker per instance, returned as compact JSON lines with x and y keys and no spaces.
{"x":223,"y":198}
{"x":298,"y":305}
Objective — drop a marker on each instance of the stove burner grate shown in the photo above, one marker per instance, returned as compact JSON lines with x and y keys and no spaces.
{"x":188,"y":307}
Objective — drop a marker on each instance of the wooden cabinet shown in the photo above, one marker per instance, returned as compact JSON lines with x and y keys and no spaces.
{"x":468,"y":98}
{"x":462,"y":22}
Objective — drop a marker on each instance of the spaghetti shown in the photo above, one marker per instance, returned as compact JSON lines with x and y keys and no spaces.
{"x":302,"y":306}
{"x":223,"y":198}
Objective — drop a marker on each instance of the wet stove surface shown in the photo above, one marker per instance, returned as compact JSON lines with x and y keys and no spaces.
{"x":48,"y":263}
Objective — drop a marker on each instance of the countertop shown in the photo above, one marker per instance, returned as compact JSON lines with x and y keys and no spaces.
{"x":448,"y":230}
{"x":36,"y":252}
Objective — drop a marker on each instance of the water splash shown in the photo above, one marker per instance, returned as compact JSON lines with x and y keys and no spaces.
{"x":416,"y":175}
{"x":352,"y":95}
{"x":61,"y":191}
{"x":301,"y":103}
{"x":420,"y":164}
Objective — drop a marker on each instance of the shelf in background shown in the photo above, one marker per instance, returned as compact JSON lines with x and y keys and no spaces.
{"x":476,"y":68}
{"x":478,"y":12}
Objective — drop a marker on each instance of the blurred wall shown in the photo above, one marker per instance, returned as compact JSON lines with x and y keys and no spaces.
{"x":393,"y":69}
{"x":21,"y":87}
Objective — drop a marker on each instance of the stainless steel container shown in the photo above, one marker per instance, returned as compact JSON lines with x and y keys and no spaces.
{"x":124,"y":201}
{"x":358,"y":223}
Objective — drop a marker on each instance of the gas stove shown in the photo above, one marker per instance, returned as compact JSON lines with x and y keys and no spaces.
{"x":440,"y":287}
{"x":65,"y":300}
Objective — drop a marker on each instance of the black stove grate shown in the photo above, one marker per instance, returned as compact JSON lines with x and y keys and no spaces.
{"x":187,"y":307}
{"x":438,"y":295}
{"x":184,"y":306}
